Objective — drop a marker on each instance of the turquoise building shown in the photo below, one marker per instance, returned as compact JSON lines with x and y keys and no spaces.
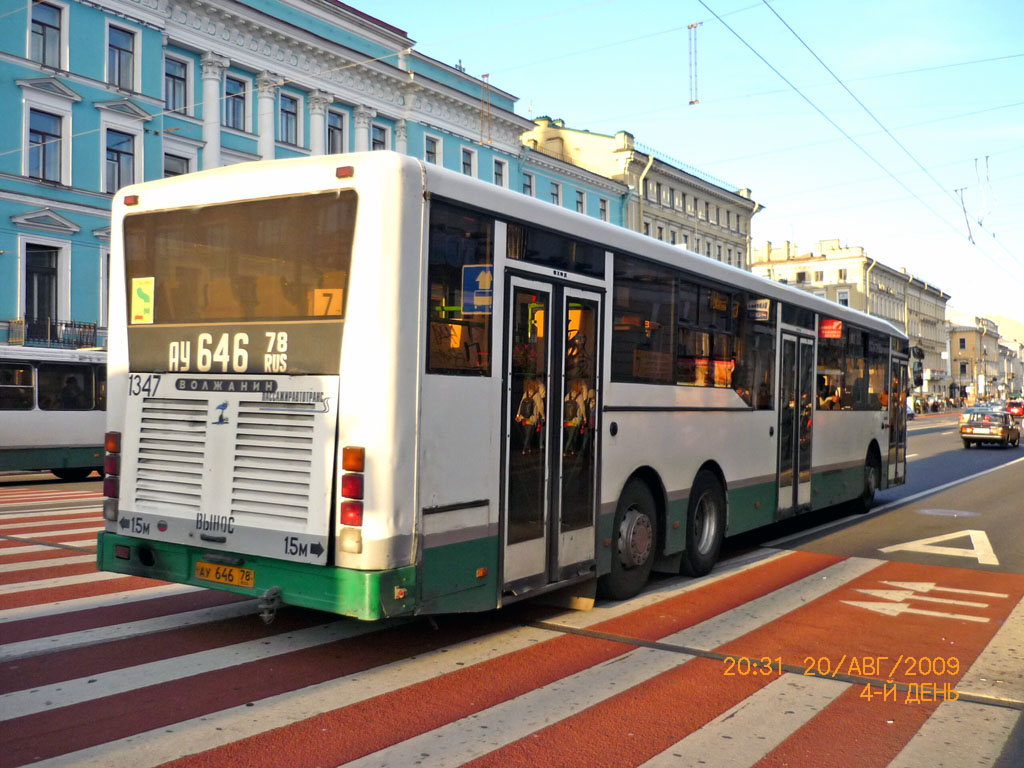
{"x":101,"y":94}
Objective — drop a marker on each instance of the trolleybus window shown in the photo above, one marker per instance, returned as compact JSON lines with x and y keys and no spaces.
{"x":539,"y":246}
{"x":15,"y":387}
{"x":65,"y":387}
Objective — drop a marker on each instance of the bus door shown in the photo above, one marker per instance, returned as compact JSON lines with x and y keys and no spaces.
{"x":898,"y":423}
{"x":552,"y":395}
{"x":796,"y":409}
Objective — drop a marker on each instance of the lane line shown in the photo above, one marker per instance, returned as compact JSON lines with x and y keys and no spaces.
{"x":891,"y":505}
{"x":70,"y":692}
{"x":60,"y":581}
{"x":9,"y":551}
{"x":70,"y":640}
{"x":92,"y":602}
{"x":752,"y":728}
{"x":29,"y":565}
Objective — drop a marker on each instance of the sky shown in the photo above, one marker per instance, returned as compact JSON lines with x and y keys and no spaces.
{"x":864,"y":121}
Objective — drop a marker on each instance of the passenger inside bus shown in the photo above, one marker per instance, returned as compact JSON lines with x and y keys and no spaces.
{"x":530,"y":414}
{"x":579,"y":402}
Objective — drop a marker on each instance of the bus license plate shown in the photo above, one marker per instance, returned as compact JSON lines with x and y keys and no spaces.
{"x":225,"y":574}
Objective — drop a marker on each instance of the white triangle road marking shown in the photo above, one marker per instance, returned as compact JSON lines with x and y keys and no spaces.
{"x":981,"y":547}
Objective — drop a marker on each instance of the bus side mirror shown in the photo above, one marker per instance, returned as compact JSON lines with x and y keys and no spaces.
{"x":918,"y":372}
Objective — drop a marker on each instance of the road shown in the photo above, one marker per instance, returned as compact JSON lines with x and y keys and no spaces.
{"x":827,"y":642}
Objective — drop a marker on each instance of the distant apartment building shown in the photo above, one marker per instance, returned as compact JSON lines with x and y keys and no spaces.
{"x":978,"y":368}
{"x":848,"y":276}
{"x":98,"y":95}
{"x":667,"y":200}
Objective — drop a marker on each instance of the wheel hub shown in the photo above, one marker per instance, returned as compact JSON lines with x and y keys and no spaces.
{"x":636,"y":538}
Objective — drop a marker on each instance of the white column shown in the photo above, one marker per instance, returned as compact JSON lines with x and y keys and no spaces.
{"x":266,"y":87}
{"x":213,"y":74}
{"x":318,"y":103}
{"x":363,"y":116}
{"x":400,"y":136}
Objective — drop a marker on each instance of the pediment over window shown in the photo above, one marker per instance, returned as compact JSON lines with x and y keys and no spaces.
{"x":124,"y":107}
{"x":103,"y":233}
{"x":49,"y":85}
{"x":47,"y":220}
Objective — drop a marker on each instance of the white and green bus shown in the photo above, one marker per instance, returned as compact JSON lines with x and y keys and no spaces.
{"x":367,"y":385}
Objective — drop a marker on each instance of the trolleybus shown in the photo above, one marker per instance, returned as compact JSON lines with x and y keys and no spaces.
{"x":52,"y":404}
{"x":368,"y":385}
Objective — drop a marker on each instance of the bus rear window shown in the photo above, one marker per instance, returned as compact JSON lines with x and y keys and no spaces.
{"x":276,"y":259}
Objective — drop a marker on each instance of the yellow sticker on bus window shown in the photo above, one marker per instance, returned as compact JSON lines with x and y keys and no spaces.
{"x":327,"y":302}
{"x":143,"y":289}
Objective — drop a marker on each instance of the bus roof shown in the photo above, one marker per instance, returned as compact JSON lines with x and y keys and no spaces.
{"x":223,"y":185}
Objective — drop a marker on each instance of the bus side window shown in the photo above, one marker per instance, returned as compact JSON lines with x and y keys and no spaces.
{"x":65,"y":388}
{"x":15,"y":387}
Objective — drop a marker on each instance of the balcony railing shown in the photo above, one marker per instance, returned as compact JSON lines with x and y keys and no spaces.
{"x":47,"y":332}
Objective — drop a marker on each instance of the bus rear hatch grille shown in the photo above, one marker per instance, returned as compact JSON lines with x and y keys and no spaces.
{"x":273,"y":461}
{"x":172,"y":450}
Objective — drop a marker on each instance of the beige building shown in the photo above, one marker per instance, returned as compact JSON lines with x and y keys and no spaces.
{"x":975,"y":356}
{"x":848,"y":276}
{"x":666,"y":201}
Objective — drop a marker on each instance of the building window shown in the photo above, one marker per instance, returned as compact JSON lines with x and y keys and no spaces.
{"x":175,"y":165}
{"x":671,"y":197}
{"x":647,"y":228}
{"x":581,"y":201}
{"x":40,"y":282}
{"x":819,"y":276}
{"x":556,"y":193}
{"x":707,"y":249}
{"x":430,"y":149}
{"x":963,"y":343}
{"x":728,"y":219}
{"x":499,"y":173}
{"x":718,"y":251}
{"x":657,"y":192}
{"x":843,"y":297}
{"x":44,"y":152}
{"x":468,"y":161}
{"x":175,"y":85}
{"x":234,"y":103}
{"x":378,"y":137}
{"x":842,"y":275}
{"x":528,"y":184}
{"x":121,"y":58}
{"x":672,"y":236}
{"x":963,"y":369}
{"x":120,"y":160}
{"x":718,"y":216}
{"x":335,"y":133}
{"x":686,"y":240}
{"x":730,"y":255}
{"x":289,"y":119}
{"x":45,"y":42}
{"x":707,"y":212}
{"x":661,"y":233}
{"x":602,"y":208}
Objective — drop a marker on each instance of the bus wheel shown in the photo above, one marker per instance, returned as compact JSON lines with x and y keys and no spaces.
{"x":72,"y":474}
{"x":705,"y":525}
{"x":872,"y":475}
{"x":633,"y":543}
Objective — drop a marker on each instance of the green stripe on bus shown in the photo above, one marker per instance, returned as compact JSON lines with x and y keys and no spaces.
{"x":836,"y":486}
{"x":360,"y":594}
{"x":460,"y":577}
{"x":52,"y":458}
{"x":751,"y":506}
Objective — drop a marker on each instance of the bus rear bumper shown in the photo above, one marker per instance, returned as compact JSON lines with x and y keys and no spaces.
{"x":364,"y":595}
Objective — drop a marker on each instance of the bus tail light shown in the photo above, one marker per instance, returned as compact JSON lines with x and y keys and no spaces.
{"x":111,"y":475}
{"x":351,"y":513}
{"x":352,"y":486}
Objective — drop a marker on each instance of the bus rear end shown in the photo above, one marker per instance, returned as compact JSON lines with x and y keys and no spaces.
{"x":224,"y":467}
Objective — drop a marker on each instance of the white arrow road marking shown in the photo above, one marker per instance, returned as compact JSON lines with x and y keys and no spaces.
{"x":895,"y":609}
{"x":928,"y":586}
{"x":896,"y":595}
{"x":981,"y":547}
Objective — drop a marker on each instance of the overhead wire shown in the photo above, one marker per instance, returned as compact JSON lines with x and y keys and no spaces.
{"x":888,"y":133}
{"x":839,"y":128}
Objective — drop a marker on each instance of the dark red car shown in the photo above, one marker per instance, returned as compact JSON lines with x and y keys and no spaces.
{"x":1016,"y":408}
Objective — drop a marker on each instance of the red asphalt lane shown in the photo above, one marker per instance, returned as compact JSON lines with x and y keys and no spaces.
{"x":344,"y":734}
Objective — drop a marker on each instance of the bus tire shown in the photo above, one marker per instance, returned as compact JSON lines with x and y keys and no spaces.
{"x":634,"y":535}
{"x":872,"y":478}
{"x":705,"y":525}
{"x":72,"y":474}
